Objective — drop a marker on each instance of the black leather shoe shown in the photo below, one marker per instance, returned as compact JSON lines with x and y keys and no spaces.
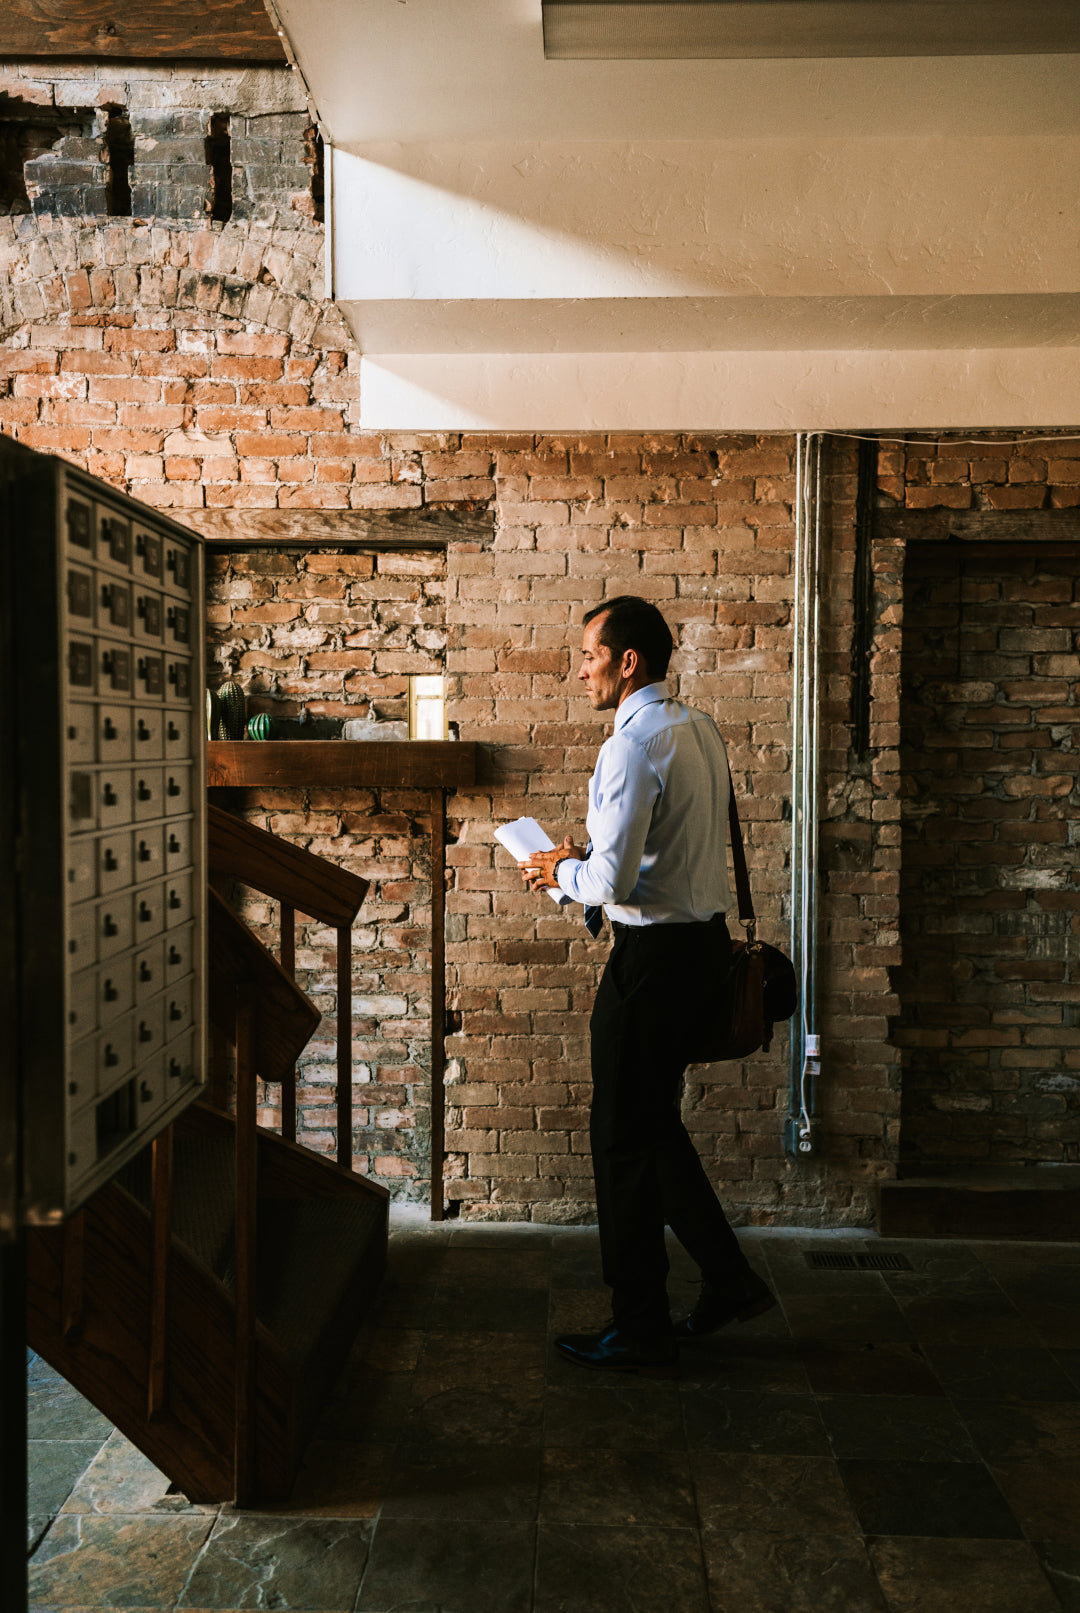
{"x":716,"y":1307}
{"x":613,"y":1351}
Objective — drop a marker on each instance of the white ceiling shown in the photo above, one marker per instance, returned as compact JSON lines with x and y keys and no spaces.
{"x":424,"y":70}
{"x":586,"y":238}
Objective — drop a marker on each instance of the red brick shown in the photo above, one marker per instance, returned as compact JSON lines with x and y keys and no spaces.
{"x":77,"y":287}
{"x":939,"y":498}
{"x":470,"y":490}
{"x":185,"y":366}
{"x":314,"y":498}
{"x":252,"y":344}
{"x":280,"y":394}
{"x":948,"y":470}
{"x":269,"y":444}
{"x":127,"y":439}
{"x":248,"y":368}
{"x":128,"y":390}
{"x":456,"y":466}
{"x":26,"y":361}
{"x":81,"y":414}
{"x":140,"y":341}
{"x":18,"y":411}
{"x":55,"y":439}
{"x":91,"y":363}
{"x":305,"y":419}
{"x":1027,"y":470}
{"x":229,"y":418}
{"x":1015,"y":498}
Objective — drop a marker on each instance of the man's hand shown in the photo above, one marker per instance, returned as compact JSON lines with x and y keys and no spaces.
{"x":538,"y":871}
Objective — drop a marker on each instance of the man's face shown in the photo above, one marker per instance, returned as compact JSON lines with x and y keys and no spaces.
{"x":599,"y":672}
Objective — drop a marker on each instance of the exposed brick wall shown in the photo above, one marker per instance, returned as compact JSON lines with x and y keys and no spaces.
{"x":330,"y":635}
{"x":166,"y":117}
{"x":990,"y":754}
{"x":858,"y":893}
{"x":993,"y":471}
{"x":222,"y":391}
{"x":199,"y":366}
{"x":703,"y":527}
{"x":335,"y":636}
{"x":990,"y":898}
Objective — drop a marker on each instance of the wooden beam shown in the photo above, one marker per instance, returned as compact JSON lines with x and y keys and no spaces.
{"x":426,"y":528}
{"x":201,"y":30}
{"x":340,"y":763}
{"x":438,"y":1000}
{"x":1030,"y":527}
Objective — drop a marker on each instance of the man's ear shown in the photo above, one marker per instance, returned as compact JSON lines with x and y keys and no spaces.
{"x":630,"y":663}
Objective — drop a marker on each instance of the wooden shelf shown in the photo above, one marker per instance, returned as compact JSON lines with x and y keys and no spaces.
{"x":424,"y":764}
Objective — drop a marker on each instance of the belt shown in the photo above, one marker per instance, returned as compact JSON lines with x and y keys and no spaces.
{"x":689,"y":924}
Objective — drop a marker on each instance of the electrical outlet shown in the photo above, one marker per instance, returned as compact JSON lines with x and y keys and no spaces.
{"x":799,"y":1141}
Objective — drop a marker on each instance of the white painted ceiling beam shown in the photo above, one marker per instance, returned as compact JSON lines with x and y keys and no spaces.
{"x":763,"y":391}
{"x":530,"y":243}
{"x":676,"y":219}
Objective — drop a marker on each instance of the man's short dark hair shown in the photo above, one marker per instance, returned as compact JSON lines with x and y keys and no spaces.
{"x":630,"y":623}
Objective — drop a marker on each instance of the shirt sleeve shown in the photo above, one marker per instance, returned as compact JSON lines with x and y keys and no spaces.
{"x":627,"y":790}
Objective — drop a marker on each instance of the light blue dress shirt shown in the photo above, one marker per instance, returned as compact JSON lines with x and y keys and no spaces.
{"x":658,"y":805}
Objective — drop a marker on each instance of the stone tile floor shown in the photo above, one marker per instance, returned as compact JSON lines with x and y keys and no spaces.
{"x":904,"y":1442}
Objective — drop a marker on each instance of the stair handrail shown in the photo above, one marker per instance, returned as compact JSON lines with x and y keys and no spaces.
{"x":288,"y":874}
{"x":299,"y":880}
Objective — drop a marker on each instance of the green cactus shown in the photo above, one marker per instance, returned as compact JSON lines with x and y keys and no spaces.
{"x":259,"y":727}
{"x":232,"y":704}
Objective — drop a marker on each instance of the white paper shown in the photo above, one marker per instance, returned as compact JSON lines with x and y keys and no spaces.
{"x":521,"y":838}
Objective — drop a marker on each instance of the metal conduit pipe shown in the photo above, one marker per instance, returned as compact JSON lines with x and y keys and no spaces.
{"x":801,"y":1130}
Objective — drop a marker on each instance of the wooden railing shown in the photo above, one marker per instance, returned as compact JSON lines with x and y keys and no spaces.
{"x":269,"y":1028}
{"x":298,"y":881}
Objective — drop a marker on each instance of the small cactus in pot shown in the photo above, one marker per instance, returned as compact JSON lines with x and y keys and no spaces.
{"x":232,"y":709}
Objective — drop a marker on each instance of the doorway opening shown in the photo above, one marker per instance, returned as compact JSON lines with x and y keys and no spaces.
{"x":990,"y":874}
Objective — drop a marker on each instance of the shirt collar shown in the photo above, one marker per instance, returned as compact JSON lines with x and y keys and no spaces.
{"x":649,"y":695}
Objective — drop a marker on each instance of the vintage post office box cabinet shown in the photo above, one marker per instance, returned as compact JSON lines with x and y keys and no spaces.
{"x":81,"y":736}
{"x":178,"y":954}
{"x":102,"y":788}
{"x":116,"y":991}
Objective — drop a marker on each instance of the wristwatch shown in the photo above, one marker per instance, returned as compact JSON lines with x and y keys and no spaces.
{"x":557,"y":864}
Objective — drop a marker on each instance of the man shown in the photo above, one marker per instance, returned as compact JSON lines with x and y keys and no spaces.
{"x":657,"y":865}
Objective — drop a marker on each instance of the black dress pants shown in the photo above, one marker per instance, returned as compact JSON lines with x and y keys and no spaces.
{"x":651,"y":1006}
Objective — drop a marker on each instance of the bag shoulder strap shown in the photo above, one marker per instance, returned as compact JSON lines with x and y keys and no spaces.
{"x":738,"y":857}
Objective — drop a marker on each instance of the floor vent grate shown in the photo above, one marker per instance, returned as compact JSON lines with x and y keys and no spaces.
{"x":844,"y":1260}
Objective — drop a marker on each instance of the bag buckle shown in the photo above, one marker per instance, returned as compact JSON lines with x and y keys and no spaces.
{"x":750,"y":926}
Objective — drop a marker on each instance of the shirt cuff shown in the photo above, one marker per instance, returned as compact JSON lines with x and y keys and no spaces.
{"x":566,"y":876}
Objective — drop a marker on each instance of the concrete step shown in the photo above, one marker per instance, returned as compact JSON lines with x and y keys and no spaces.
{"x":1038,"y":1202}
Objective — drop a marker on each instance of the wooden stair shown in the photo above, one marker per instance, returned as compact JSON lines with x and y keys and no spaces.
{"x":206,"y":1299}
